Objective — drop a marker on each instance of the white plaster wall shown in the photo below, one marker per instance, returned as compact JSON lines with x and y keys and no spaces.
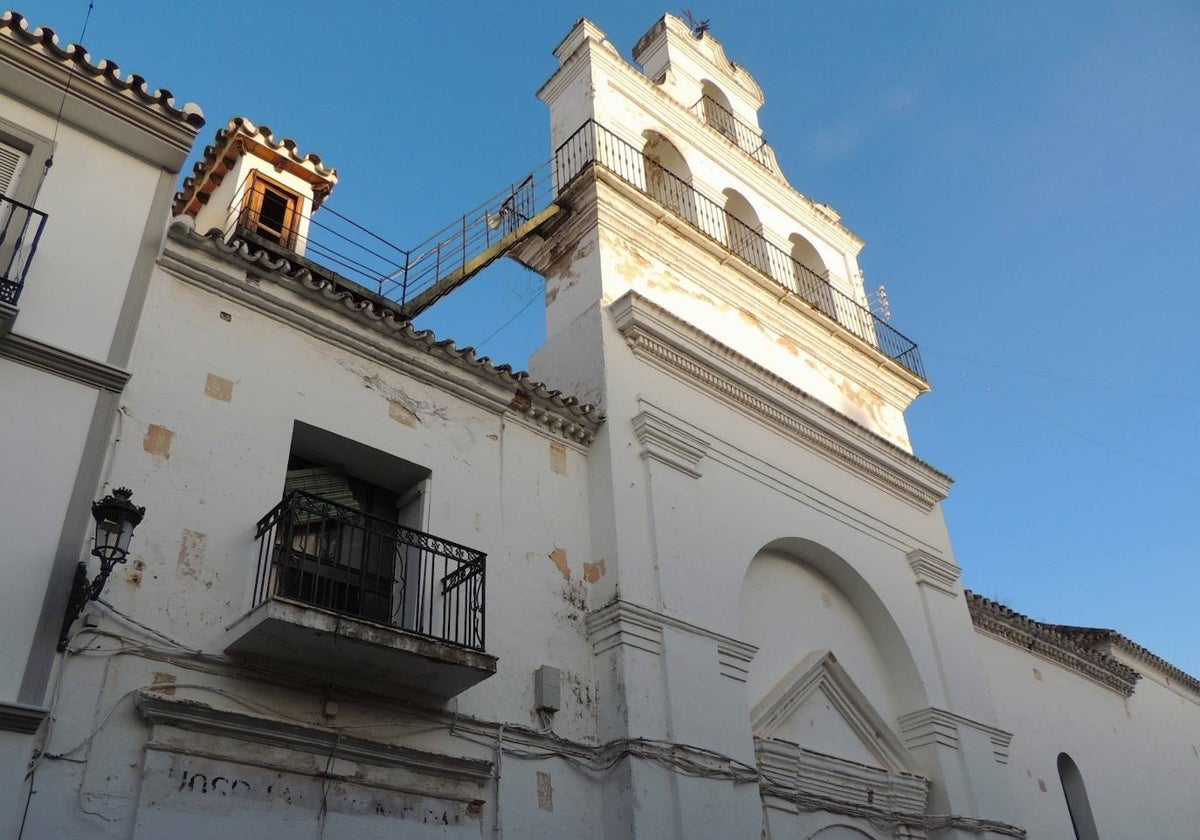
{"x":45,"y":427}
{"x":492,"y":487}
{"x":98,"y":199}
{"x":1139,"y":757}
{"x":497,"y":485}
{"x":788,"y":610}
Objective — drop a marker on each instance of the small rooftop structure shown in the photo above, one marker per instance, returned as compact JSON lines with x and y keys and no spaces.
{"x":250,"y":181}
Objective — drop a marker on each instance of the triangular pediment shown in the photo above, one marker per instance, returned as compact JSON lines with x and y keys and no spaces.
{"x":818,"y":707}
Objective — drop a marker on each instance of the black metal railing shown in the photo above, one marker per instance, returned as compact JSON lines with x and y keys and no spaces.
{"x":593,"y":144}
{"x":337,"y":558}
{"x":20,"y":231}
{"x":744,"y":136}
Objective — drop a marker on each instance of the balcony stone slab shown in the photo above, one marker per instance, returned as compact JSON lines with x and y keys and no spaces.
{"x":319,"y":644}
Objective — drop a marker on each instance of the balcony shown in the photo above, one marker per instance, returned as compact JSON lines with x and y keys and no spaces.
{"x":20,"y":231}
{"x":744,"y":136}
{"x":595,"y":145}
{"x":343,"y":596}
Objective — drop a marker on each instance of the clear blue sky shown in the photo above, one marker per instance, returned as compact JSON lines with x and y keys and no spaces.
{"x":1026,"y":176}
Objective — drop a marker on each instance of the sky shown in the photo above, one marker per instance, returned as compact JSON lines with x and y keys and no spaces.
{"x":1026,"y":176}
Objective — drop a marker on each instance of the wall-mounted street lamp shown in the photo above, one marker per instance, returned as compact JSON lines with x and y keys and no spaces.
{"x":116,"y":517}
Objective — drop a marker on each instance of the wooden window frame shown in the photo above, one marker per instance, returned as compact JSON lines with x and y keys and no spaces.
{"x":256,"y":191}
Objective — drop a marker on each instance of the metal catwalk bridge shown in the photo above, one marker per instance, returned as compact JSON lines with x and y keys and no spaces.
{"x":416,"y":278}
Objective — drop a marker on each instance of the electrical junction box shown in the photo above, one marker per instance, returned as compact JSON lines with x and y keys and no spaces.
{"x":547,"y":689}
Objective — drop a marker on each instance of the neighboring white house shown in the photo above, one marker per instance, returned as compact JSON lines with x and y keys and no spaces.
{"x":386,"y":588}
{"x":86,"y":180}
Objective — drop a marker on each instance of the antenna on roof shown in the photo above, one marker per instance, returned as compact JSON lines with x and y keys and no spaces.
{"x":66,"y":91}
{"x":698,"y":27}
{"x":880,"y":304}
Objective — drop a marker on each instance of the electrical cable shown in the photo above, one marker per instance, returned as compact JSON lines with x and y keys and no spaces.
{"x":63,"y":102}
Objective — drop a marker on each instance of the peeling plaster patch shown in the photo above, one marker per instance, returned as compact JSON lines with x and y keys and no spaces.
{"x":225,"y":316}
{"x":218,"y":387}
{"x":749,"y":318}
{"x":1041,"y":786}
{"x":164,"y":683}
{"x":1037,"y":675}
{"x":551,"y":295}
{"x":558,"y":458}
{"x":545,"y":792}
{"x":402,"y":414}
{"x":592,"y":572}
{"x":559,"y":558}
{"x":867,"y":402}
{"x":191,"y":553}
{"x":158,"y":441}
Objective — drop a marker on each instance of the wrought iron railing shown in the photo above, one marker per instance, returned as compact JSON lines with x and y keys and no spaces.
{"x":337,"y":558}
{"x":744,"y":136}
{"x":20,"y":231}
{"x":593,"y":144}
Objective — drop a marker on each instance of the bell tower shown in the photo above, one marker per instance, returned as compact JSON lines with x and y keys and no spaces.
{"x":755,"y":454}
{"x":679,"y":204}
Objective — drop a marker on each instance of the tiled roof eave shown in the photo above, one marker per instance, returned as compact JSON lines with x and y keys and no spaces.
{"x":1101,"y":638}
{"x":560,"y":413}
{"x":1045,"y":640}
{"x":74,"y":57}
{"x":240,"y":129}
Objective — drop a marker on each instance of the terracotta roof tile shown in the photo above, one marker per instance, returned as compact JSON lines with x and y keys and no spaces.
{"x":1103,"y":640}
{"x":1046,"y":640}
{"x":240,"y":129}
{"x":43,"y":39}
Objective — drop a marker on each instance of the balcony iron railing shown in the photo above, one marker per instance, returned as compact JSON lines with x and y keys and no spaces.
{"x":743,"y":135}
{"x":337,"y":558}
{"x":593,"y":144}
{"x":20,"y":231}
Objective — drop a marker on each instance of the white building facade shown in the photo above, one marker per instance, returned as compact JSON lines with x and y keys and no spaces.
{"x":697,"y":585}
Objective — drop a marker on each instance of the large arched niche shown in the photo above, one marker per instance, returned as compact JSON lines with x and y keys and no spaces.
{"x":798,"y":598}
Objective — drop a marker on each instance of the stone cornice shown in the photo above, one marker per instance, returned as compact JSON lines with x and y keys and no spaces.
{"x":929,"y":726}
{"x":64,"y":363}
{"x":1010,"y":626}
{"x":625,"y":624}
{"x":659,"y":337}
{"x":667,"y":443}
{"x":775,"y":306}
{"x":936,"y":572}
{"x":197,"y":717}
{"x":19,"y":717}
{"x":210,"y":263}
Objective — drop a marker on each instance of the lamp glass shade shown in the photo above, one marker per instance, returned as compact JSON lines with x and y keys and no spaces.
{"x":113,"y":534}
